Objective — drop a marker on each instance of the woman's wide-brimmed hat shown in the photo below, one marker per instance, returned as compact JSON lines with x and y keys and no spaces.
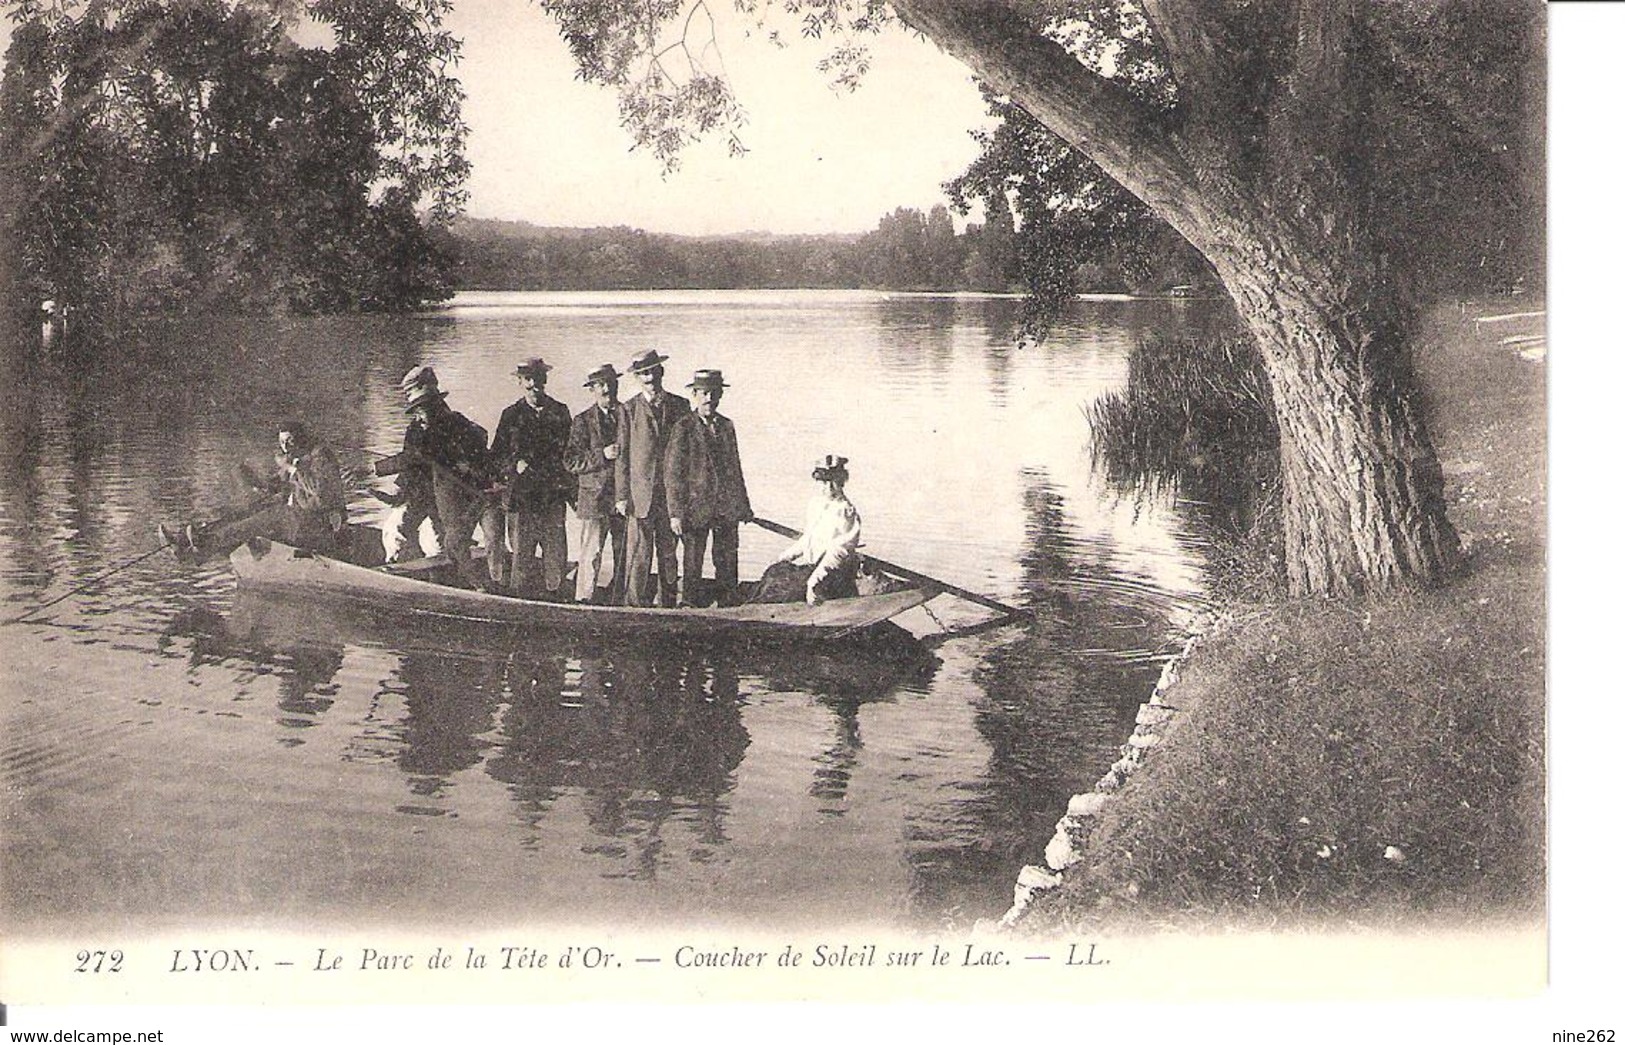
{"x":830,"y":467}
{"x":708,"y":379}
{"x":648,"y":361}
{"x":605,"y":372}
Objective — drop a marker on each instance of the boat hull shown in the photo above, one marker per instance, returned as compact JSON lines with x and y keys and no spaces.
{"x":269,"y":566}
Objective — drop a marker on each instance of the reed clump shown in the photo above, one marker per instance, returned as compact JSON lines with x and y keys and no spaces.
{"x":1194,"y":418}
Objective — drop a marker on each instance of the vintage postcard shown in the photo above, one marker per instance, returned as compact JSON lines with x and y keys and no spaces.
{"x":508,"y":504}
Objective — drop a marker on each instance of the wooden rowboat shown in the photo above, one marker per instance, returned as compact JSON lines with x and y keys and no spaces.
{"x":269,"y":566}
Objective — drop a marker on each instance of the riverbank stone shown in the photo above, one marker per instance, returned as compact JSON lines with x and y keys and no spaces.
{"x":1153,"y":715}
{"x":1061,"y":852}
{"x":1086,"y":805}
{"x":1034,"y":877}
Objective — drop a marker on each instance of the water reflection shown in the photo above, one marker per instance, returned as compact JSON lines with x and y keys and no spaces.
{"x":648,"y":737}
{"x":640,"y":741}
{"x":1058,"y":697}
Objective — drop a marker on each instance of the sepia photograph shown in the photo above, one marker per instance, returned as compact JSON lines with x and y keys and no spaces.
{"x":578,"y":501}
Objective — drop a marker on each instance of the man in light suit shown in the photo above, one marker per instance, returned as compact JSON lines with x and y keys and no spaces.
{"x":705,"y":491}
{"x":647,"y":420}
{"x":590,"y":456}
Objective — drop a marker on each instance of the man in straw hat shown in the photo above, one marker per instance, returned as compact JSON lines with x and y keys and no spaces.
{"x":413,"y":502}
{"x":647,"y":420}
{"x":464,"y":482}
{"x":590,"y":457}
{"x":705,"y":491}
{"x":528,"y":449}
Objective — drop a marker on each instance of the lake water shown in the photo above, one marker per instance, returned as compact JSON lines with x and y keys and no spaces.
{"x":176,"y":755}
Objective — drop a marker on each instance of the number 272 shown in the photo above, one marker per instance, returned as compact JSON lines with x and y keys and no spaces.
{"x":100,"y":961}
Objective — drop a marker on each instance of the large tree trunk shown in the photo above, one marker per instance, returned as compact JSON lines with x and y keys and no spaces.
{"x":1283,"y":227}
{"x":1362,"y":494}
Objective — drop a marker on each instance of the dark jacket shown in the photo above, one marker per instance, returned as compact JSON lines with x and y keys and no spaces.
{"x":705,"y":484}
{"x":457,"y":444}
{"x":536,"y":435}
{"x":590,"y":432}
{"x":416,"y":480}
{"x":645,"y":428}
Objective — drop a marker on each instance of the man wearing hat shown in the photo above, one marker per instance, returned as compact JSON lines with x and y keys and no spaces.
{"x":413,"y":502}
{"x":590,"y":457}
{"x":705,"y":490}
{"x":647,"y":420}
{"x":528,"y":450}
{"x":463,"y":479}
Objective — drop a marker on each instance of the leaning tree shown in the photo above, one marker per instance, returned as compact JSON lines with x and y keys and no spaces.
{"x":1321,"y":154}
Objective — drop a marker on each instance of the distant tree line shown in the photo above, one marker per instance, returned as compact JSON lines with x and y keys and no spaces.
{"x":908,"y":250}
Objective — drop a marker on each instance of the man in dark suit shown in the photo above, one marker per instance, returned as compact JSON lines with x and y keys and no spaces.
{"x":646,"y":423}
{"x":528,"y":448}
{"x":590,"y":457}
{"x":705,"y":490}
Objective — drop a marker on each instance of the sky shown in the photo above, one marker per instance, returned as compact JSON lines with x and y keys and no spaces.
{"x":549,"y":149}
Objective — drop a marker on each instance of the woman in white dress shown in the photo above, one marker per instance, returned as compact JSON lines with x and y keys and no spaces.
{"x":823,"y":562}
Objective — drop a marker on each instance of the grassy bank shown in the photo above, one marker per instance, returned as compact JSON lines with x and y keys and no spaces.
{"x":1358,"y":763}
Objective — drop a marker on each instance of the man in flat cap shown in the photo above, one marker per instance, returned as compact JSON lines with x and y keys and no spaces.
{"x":591,"y":457}
{"x":309,"y":510}
{"x":705,"y":491}
{"x":647,"y":420}
{"x":528,"y":451}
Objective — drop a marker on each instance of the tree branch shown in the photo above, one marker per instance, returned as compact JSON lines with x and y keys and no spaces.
{"x":1129,"y":140}
{"x":1193,"y":55}
{"x":1320,"y":61}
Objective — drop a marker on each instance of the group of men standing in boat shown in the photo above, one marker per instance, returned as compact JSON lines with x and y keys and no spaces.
{"x":644,"y":475}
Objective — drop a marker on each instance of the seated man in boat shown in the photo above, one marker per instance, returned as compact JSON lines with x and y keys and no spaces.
{"x":466,"y":493}
{"x":412,"y":504}
{"x":306,"y":491}
{"x":823,"y":562}
{"x":705,"y":491}
{"x":528,"y":448}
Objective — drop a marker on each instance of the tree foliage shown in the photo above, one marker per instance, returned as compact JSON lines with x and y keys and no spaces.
{"x":1073,"y":222}
{"x":190,"y":154}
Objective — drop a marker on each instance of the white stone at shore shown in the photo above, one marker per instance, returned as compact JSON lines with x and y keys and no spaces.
{"x":1152,"y":715}
{"x":1086,"y":805}
{"x":1035,"y":877}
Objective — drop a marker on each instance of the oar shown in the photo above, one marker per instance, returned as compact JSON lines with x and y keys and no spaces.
{"x":908,"y":574}
{"x":87,"y":585}
{"x":231,"y":515}
{"x":467,"y":485}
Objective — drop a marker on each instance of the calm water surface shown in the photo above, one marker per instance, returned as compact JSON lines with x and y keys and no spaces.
{"x":175,"y":754}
